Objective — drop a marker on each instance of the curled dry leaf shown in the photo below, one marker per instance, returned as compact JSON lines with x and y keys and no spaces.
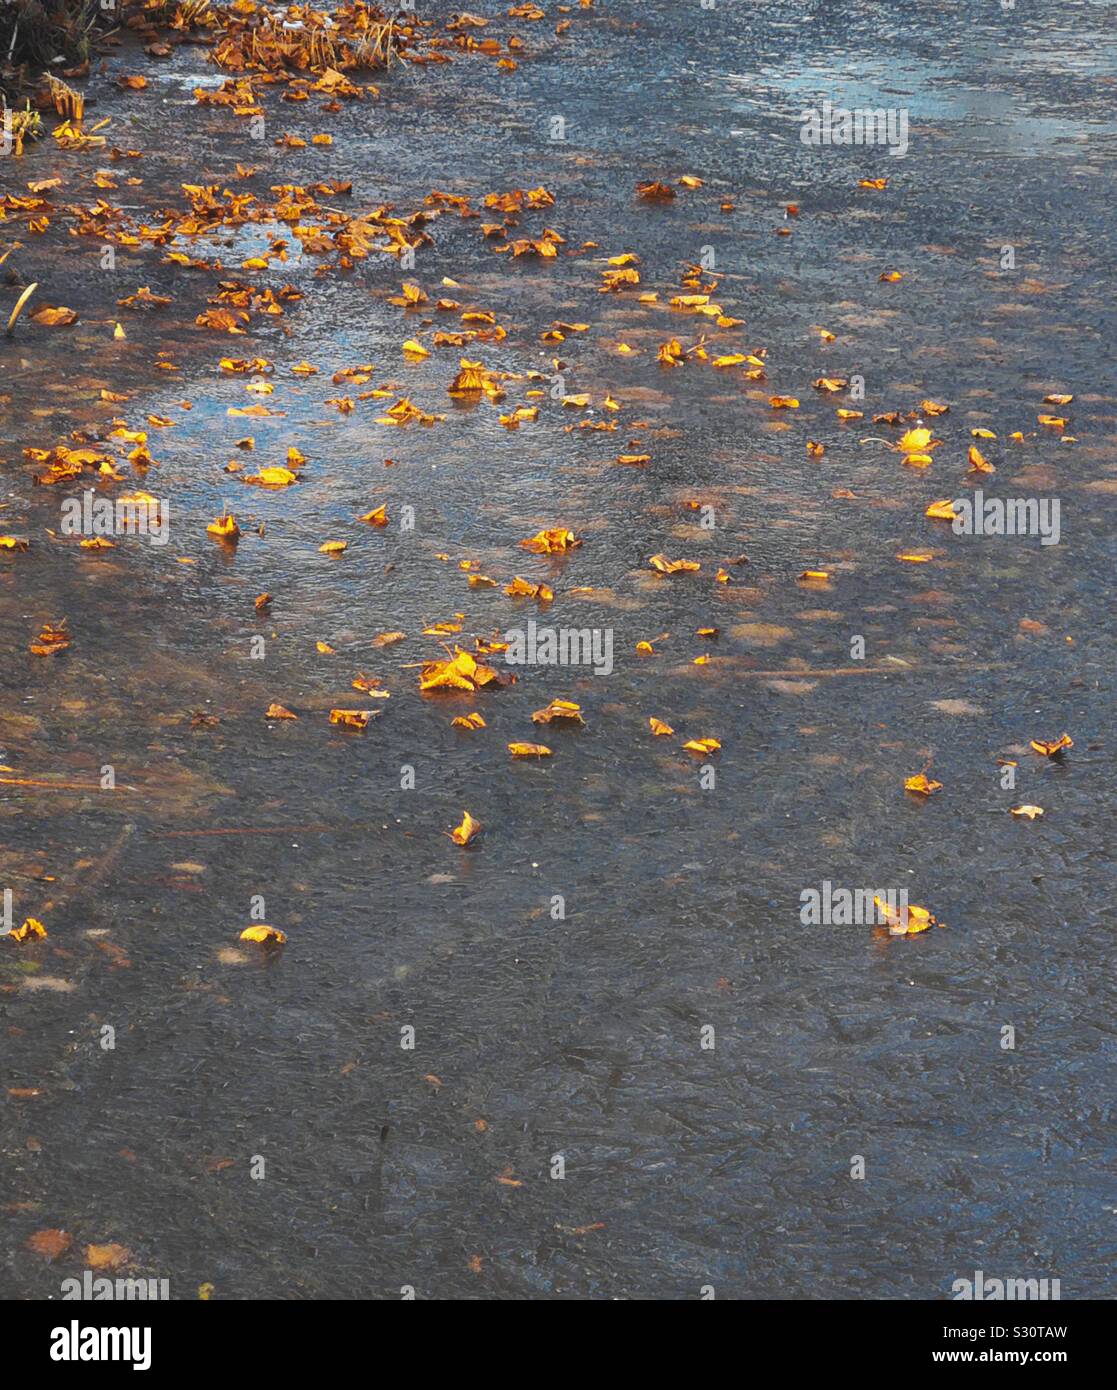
{"x":906,"y":919}
{"x":558,"y":709}
{"x":529,"y":750}
{"x":701,"y":745}
{"x":665,"y":566}
{"x":352,"y":718}
{"x":921,"y":784}
{"x":264,"y":935}
{"x":942,"y":510}
{"x":54,"y":316}
{"x":555,"y":541}
{"x":522,"y":588}
{"x":463,"y":833}
{"x":225,"y":527}
{"x":461,"y":672}
{"x":1050,"y":747}
{"x":31,"y":929}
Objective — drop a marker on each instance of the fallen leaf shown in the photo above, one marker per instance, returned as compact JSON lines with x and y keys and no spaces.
{"x":265,"y":935}
{"x":702,"y":745}
{"x":908,"y":920}
{"x":529,"y":750}
{"x":107,"y":1256}
{"x":49,"y":1243}
{"x":921,"y":784}
{"x":463,"y":833}
{"x":1050,"y":747}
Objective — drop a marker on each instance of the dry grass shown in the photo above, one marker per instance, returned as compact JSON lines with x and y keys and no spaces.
{"x":357,"y":42}
{"x":35,"y":32}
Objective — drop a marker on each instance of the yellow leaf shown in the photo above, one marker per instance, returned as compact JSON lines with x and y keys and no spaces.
{"x":907,"y":920}
{"x":942,"y":510}
{"x":558,"y":709}
{"x":264,"y":935}
{"x":350,"y":718}
{"x":529,"y":750}
{"x":225,"y":527}
{"x":272,"y":477}
{"x":461,"y":672}
{"x":702,"y":745}
{"x":522,"y":588}
{"x":462,"y":834}
{"x":661,"y":563}
{"x":914,"y":441}
{"x":921,"y":784}
{"x":30,"y":928}
{"x":551,"y":542}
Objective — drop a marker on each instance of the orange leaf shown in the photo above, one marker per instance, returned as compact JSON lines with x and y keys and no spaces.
{"x":49,"y":1244}
{"x":107,"y":1256}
